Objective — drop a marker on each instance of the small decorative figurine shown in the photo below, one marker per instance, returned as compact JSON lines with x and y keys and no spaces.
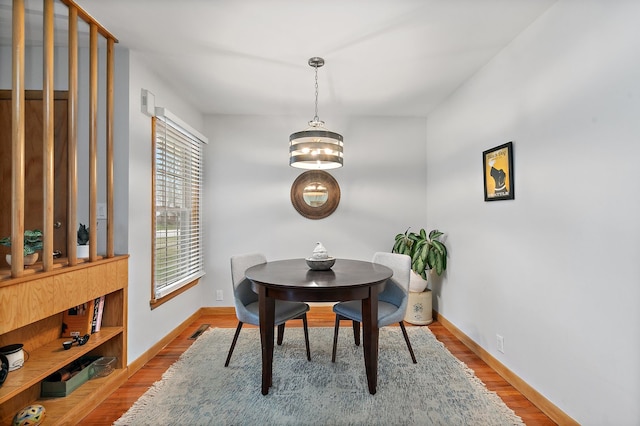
{"x":319,"y":252}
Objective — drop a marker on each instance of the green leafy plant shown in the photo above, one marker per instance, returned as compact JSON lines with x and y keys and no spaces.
{"x":426,"y":251}
{"x":32,"y":241}
{"x":83,"y":235}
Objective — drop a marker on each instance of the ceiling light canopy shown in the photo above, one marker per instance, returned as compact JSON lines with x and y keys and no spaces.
{"x":316,"y":147}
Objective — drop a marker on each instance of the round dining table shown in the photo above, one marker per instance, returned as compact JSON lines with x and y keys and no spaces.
{"x":292,"y":279}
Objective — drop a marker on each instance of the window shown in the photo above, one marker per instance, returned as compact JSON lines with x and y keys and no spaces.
{"x":178,"y":258}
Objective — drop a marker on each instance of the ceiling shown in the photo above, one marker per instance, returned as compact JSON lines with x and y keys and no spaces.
{"x":383,"y":57}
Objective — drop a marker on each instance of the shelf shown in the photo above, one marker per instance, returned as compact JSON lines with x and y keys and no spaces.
{"x":72,"y":408}
{"x":60,"y":263}
{"x":58,"y":290}
{"x":48,"y":359}
{"x":5,"y":272}
{"x":48,"y":295}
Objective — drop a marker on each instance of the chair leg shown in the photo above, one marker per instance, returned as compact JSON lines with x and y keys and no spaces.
{"x":335,"y":338}
{"x":406,"y":339}
{"x":306,"y":336}
{"x":233,"y":343}
{"x":280,"y":333}
{"x":356,"y":332}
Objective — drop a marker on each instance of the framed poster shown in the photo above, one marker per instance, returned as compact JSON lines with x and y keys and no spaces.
{"x":498,"y":173}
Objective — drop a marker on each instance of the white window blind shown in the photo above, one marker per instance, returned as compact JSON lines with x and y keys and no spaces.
{"x":178,"y":254}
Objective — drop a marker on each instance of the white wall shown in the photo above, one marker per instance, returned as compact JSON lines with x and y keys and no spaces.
{"x":248,"y":181}
{"x":554,"y":271}
{"x":146,"y":327}
{"x":33,"y":68}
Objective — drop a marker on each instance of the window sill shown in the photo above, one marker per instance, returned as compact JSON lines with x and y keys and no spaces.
{"x":154,"y":303}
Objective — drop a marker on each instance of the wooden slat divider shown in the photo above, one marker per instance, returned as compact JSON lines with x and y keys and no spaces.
{"x":17,"y":141}
{"x":47,"y":136}
{"x":72,"y":142}
{"x":90,"y":20}
{"x":110,"y":189}
{"x":93,"y":140}
{"x":48,"y":142}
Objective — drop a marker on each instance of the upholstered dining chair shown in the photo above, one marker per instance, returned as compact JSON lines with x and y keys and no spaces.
{"x":246,"y":302}
{"x":392,"y":301}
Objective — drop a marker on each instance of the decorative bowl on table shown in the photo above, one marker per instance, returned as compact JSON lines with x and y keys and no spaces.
{"x":320,"y":264}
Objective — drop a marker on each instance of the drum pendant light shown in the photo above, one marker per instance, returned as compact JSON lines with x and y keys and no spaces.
{"x":316,"y":147}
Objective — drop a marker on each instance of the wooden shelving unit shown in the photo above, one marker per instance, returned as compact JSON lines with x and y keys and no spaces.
{"x":33,"y":298}
{"x":31,"y":314}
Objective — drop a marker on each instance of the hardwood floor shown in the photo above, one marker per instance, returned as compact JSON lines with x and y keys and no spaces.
{"x":120,"y":401}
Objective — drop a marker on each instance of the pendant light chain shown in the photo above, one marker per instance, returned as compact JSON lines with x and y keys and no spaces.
{"x":316,"y":118}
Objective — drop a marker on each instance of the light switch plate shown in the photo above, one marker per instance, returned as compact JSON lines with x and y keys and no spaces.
{"x":102,"y":210}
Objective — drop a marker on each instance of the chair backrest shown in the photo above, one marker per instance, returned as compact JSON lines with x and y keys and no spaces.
{"x":242,"y":293}
{"x":240,"y":263}
{"x":396,"y":290}
{"x":400,"y":264}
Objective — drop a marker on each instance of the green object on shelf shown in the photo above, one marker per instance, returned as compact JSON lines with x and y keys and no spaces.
{"x":54,"y":386}
{"x":32,"y":241}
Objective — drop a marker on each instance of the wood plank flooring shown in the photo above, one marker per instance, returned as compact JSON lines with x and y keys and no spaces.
{"x":120,"y":401}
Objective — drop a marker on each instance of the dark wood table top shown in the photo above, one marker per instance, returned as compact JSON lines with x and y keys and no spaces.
{"x":294,"y":273}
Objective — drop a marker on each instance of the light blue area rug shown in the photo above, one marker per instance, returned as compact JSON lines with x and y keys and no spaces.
{"x":438,"y":390}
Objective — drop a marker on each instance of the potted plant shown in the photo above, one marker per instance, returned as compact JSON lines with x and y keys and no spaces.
{"x":32,"y":243}
{"x":428,"y":254}
{"x":82,"y":250}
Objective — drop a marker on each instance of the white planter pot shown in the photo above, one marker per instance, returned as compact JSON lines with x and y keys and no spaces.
{"x":419,"y":308}
{"x":82,"y":252}
{"x":416,"y":283}
{"x":29,"y":259}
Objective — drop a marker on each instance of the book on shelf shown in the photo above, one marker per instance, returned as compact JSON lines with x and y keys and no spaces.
{"x":76,"y":321}
{"x":98,"y":309}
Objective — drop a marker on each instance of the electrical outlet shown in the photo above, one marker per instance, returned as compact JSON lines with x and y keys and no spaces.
{"x":218,"y":294}
{"x":500,"y":343}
